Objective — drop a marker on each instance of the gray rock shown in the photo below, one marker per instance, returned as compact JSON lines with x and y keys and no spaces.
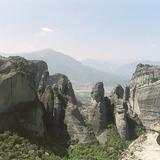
{"x":126,"y":94}
{"x":120,"y":111}
{"x":62,"y":116}
{"x":146,"y":147}
{"x":97,"y":112}
{"x":66,"y":112}
{"x":75,"y":125}
{"x":43,"y":83}
{"x":19,"y":106}
{"x":145,"y":74}
{"x":64,"y":87}
{"x":98,"y":92}
{"x":145,"y":93}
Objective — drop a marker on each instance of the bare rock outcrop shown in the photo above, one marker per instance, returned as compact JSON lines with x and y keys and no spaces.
{"x":76,"y":126}
{"x":146,"y":147}
{"x":19,"y":104}
{"x":120,"y":109}
{"x":144,"y":93}
{"x":30,"y":101}
{"x":97,"y":113}
{"x":72,"y":117}
{"x":64,"y":109}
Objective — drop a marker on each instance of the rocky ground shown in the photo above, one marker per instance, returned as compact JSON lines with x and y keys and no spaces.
{"x":146,"y":147}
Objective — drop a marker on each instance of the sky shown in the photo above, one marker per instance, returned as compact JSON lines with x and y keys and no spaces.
{"x":113,"y":30}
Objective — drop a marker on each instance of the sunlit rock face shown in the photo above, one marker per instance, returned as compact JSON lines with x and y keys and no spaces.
{"x":146,"y":147}
{"x":19,"y":104}
{"x":145,"y":93}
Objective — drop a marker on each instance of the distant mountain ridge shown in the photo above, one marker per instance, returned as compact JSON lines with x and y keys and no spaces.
{"x":120,"y":69}
{"x":88,"y":71}
{"x":75,"y":70}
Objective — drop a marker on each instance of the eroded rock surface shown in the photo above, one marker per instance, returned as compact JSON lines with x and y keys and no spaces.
{"x":19,"y":105}
{"x":146,"y":147}
{"x":145,"y":93}
{"x":76,"y":126}
{"x":66,"y":115}
{"x":97,"y":112}
{"x":120,"y":109}
{"x":30,"y":101}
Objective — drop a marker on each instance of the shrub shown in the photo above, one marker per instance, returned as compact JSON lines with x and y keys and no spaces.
{"x":14,"y":146}
{"x":112,"y":151}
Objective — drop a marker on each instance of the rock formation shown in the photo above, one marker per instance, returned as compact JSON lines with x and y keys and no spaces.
{"x":66,"y":109}
{"x":30,"y":101}
{"x":146,"y":147}
{"x":144,"y":93}
{"x":97,"y":113}
{"x":62,"y":116}
{"x":46,"y":97}
{"x":19,"y":104}
{"x":120,"y":108}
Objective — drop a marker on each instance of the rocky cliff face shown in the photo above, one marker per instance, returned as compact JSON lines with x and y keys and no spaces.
{"x":118,"y":100}
{"x":66,"y":109}
{"x":31,"y":101}
{"x":97,"y":112}
{"x":145,"y":93}
{"x":19,"y":105}
{"x":97,"y":108}
{"x":145,"y":74}
{"x":146,"y":147}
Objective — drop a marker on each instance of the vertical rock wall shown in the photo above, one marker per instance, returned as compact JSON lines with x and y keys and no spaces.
{"x":145,"y":93}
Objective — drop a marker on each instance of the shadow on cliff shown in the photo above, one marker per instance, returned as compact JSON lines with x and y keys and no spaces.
{"x":58,"y":146}
{"x":135,"y":128}
{"x":50,"y":141}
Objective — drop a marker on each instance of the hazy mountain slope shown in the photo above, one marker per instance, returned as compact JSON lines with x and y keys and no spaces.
{"x":124,"y":70}
{"x":75,"y":70}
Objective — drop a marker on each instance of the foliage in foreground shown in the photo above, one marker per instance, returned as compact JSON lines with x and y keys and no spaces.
{"x":111,"y":151}
{"x":15,"y":147}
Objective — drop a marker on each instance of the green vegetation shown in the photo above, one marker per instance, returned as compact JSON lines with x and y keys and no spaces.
{"x":87,"y":152}
{"x":16,"y":147}
{"x":111,"y":151}
{"x":115,"y":145}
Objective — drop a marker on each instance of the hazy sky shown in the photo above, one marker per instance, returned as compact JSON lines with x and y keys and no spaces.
{"x":103,"y":29}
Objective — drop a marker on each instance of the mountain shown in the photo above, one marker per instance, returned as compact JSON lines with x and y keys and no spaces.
{"x":120,"y":69}
{"x":75,"y":70}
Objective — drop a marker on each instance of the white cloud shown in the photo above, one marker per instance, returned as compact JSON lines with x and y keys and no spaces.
{"x":46,"y":29}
